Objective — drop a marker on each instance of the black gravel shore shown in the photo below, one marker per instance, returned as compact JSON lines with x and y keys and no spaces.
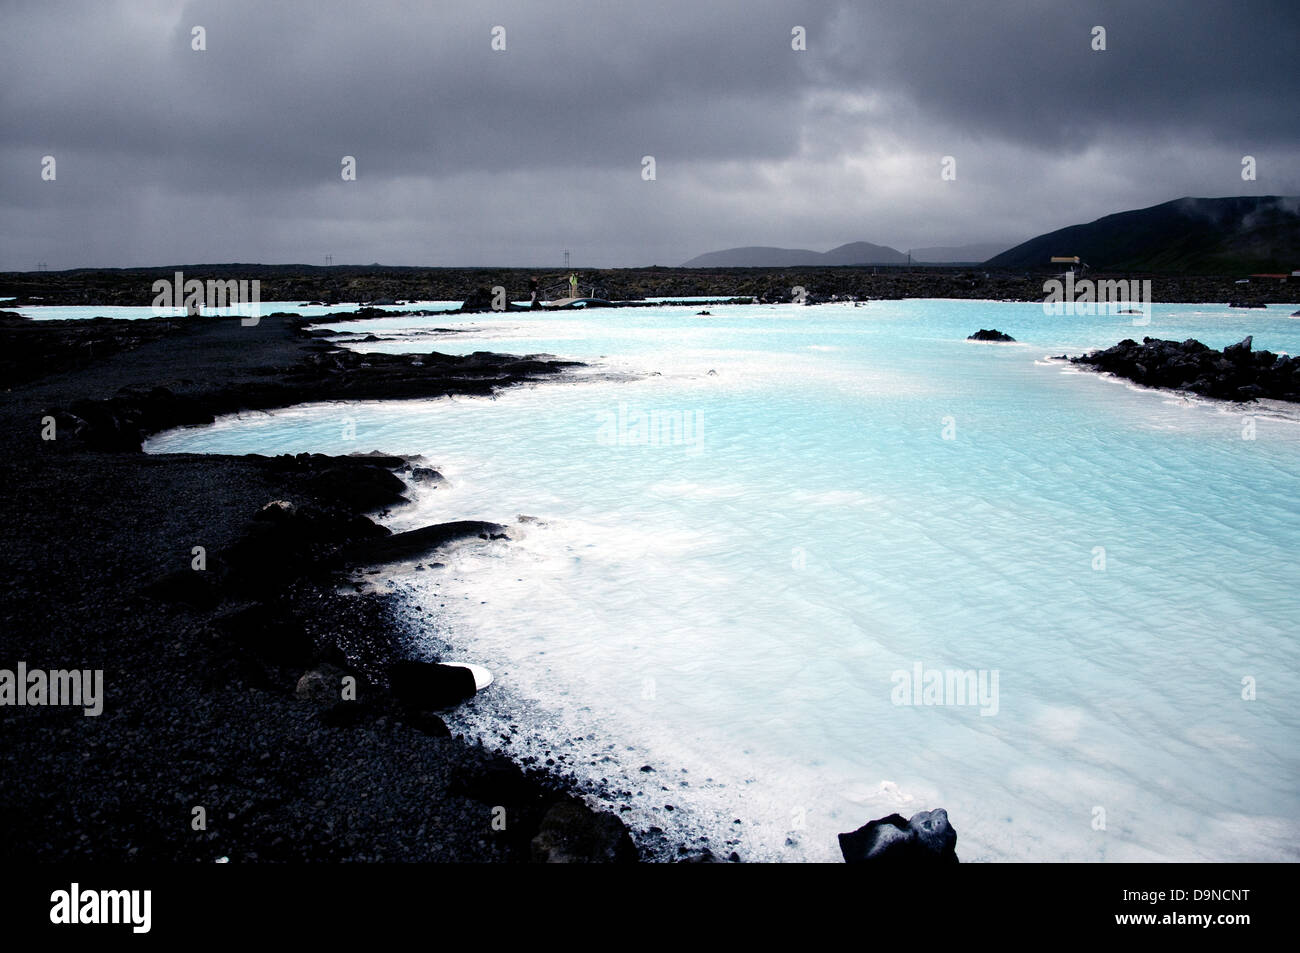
{"x":205,"y":703}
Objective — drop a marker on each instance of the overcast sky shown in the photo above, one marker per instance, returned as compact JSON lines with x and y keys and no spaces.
{"x":466,"y":155}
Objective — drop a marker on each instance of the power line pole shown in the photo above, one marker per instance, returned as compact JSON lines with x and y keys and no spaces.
{"x":329,"y":260}
{"x":566,"y":259}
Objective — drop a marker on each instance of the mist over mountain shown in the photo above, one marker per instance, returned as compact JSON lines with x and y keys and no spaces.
{"x":760,"y":256}
{"x":1188,"y":235}
{"x":981,"y":251}
{"x":854,"y":253}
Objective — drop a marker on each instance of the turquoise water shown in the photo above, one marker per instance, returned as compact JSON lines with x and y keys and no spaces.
{"x":132,"y":312}
{"x":750,"y":526}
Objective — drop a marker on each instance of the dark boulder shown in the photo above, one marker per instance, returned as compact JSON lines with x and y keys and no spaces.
{"x":1240,"y":350}
{"x":428,"y":686}
{"x":927,"y":838}
{"x":417,"y":543}
{"x":322,"y":684}
{"x":269,"y":557}
{"x":699,"y":855}
{"x":426,"y":475}
{"x":572,"y":833}
{"x":359,"y":486}
{"x":107,"y":424}
{"x":497,"y":780}
{"x":427,"y":723}
{"x":481,"y":299}
{"x":319,"y":524}
{"x":991,"y":334}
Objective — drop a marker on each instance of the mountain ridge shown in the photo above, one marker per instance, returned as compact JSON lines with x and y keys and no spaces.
{"x":852,"y":253}
{"x":1232,"y":234}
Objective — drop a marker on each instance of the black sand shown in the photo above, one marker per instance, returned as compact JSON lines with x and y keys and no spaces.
{"x":200,"y":669}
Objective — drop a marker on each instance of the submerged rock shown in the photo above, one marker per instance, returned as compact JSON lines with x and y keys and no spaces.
{"x":991,"y":334}
{"x":927,"y":838}
{"x":426,"y":475}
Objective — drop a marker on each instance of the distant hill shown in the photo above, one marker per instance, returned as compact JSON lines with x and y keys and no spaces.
{"x":1186,"y":236}
{"x":758,"y":256}
{"x":854,"y":253}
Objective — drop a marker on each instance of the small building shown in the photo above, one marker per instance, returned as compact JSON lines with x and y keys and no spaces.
{"x":1072,"y":260}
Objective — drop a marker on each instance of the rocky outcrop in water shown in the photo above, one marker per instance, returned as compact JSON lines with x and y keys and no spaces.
{"x":1235,"y":373}
{"x":991,"y":334}
{"x":927,"y":838}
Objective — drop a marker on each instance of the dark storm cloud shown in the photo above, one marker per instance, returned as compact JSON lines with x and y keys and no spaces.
{"x":470,"y":156}
{"x":1027,"y":71}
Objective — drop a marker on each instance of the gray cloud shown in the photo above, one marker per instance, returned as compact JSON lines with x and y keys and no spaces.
{"x":469,"y":156}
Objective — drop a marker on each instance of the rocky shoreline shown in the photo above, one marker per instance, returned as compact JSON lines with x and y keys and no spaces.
{"x":251,"y":674}
{"x":1236,"y":373}
{"x":260,"y":701}
{"x":253,"y":710}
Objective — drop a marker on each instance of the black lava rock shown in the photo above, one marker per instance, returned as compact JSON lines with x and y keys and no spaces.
{"x":926,"y":838}
{"x":991,"y":334}
{"x":1236,"y":373}
{"x":573,"y":833}
{"x":428,"y":686}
